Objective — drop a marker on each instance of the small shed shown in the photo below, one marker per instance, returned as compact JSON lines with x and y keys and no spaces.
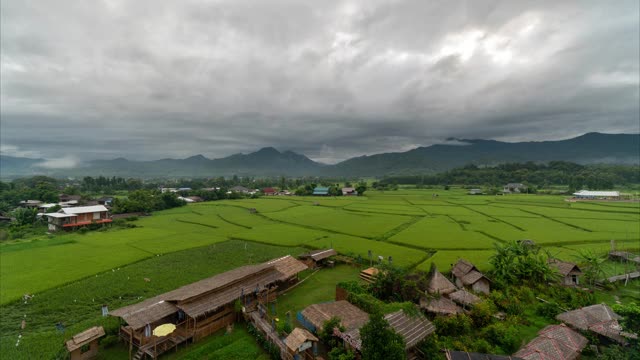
{"x":467,"y":275}
{"x":369,"y":275}
{"x":317,"y":258}
{"x":301,"y":344}
{"x":570,"y":272}
{"x":85,"y":344}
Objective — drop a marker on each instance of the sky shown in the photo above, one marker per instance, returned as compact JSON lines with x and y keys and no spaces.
{"x":150,"y":79}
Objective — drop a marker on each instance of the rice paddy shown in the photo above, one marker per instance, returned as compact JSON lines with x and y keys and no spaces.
{"x":414,"y":227}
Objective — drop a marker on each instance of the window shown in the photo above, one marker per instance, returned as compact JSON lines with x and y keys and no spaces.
{"x":85,"y":348}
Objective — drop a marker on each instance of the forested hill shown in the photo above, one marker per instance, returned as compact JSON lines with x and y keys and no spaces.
{"x":586,"y":149}
{"x":268,"y":162}
{"x":575,"y":176}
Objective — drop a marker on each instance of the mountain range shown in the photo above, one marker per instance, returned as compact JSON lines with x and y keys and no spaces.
{"x":267,"y":162}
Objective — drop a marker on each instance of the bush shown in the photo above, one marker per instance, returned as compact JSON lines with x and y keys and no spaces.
{"x":503,"y":335}
{"x":548,"y":310}
{"x":482,"y":313}
{"x":108,"y":341}
{"x":453,"y":325}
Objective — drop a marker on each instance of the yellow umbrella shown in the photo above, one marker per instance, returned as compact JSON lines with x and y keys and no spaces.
{"x":164,"y":330}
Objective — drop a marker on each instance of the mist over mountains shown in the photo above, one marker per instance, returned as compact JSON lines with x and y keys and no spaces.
{"x":269,"y":162}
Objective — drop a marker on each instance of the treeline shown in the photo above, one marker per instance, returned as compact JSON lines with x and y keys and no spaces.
{"x":146,"y":201}
{"x":41,"y":188}
{"x":574,"y":176}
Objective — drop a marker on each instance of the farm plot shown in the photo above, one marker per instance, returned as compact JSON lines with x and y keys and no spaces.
{"x":355,"y":246}
{"x":281,"y":234}
{"x":349,"y":223}
{"x":448,"y":210}
{"x":441,"y":232}
{"x":386,"y":209}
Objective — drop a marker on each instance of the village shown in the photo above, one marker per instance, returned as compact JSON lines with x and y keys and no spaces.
{"x":187,"y":315}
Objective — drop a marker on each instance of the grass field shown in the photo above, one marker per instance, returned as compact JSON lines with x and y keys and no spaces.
{"x":72,"y":274}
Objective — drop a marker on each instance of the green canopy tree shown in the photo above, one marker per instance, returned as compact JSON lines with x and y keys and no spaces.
{"x":380,"y":341}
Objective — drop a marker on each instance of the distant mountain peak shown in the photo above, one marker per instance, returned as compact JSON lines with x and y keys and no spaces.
{"x":268,"y":150}
{"x":197,"y":157}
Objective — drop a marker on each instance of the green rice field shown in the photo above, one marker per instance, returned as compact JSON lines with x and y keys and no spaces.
{"x":414,"y":227}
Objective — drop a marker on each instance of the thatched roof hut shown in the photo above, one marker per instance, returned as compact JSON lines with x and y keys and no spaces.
{"x":464,"y":298}
{"x":440,"y":306}
{"x":439,"y":284}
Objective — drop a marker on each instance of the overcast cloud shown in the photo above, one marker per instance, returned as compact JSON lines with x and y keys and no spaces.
{"x":330,"y":79}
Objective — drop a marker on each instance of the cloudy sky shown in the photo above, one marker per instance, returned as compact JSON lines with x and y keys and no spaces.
{"x":331,"y":79}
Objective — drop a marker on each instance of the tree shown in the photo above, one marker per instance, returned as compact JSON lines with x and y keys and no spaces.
{"x":25,"y":216}
{"x":515,"y":262}
{"x":591,"y":265}
{"x":326,"y":334}
{"x":361,"y":188}
{"x":380,"y":341}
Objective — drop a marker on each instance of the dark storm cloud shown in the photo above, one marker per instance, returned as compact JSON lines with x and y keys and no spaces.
{"x":331,"y":79}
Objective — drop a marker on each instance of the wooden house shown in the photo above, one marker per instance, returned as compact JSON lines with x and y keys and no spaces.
{"x":317,"y":258}
{"x":301,"y":344}
{"x":467,"y":275}
{"x":204,"y":307}
{"x":569,"y":272}
{"x":84,"y":346}
{"x":74,"y":217}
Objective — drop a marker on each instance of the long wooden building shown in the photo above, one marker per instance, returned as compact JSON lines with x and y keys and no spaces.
{"x":204,"y":307}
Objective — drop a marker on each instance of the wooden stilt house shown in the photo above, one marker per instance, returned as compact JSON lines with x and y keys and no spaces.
{"x":204,"y":307}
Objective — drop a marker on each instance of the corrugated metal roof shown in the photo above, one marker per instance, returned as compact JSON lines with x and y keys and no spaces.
{"x":597,"y":193}
{"x":84,"y":209}
{"x":60,"y":215}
